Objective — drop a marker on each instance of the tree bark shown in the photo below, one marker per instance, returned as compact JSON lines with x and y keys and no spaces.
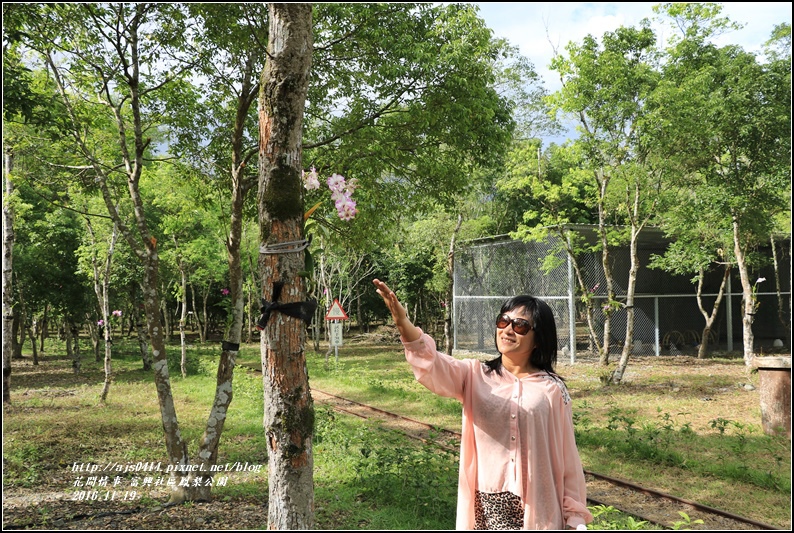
{"x":289,"y":410}
{"x":8,"y":294}
{"x":183,"y":319}
{"x":748,"y":300}
{"x":102,"y":291}
{"x":448,"y":340}
{"x":143,"y":340}
{"x":602,"y":181}
{"x":628,"y":342}
{"x":75,"y":335}
{"x":710,"y":317}
{"x":776,"y":263}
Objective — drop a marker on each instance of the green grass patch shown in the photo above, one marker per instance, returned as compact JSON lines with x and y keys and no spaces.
{"x":682,"y":426}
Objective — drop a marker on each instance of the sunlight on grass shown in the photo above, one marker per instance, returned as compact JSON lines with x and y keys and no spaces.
{"x":692,"y":433}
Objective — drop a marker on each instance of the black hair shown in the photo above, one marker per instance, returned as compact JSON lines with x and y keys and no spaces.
{"x":541,"y":317}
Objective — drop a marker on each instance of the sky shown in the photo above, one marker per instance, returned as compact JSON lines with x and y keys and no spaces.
{"x":536,"y":28}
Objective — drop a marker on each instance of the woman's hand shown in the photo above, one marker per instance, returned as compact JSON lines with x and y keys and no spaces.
{"x":408,"y":331}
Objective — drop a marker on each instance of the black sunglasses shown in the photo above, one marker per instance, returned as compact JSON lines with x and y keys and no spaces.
{"x":520,"y":326}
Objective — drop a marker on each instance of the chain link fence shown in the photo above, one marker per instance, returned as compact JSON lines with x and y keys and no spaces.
{"x":667,"y":318}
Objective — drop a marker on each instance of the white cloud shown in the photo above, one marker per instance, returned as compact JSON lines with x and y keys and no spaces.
{"x":539,"y":27}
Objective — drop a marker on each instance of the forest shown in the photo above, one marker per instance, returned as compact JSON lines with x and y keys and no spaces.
{"x":173,"y":170}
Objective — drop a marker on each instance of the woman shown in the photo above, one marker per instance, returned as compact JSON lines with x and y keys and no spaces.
{"x":519,"y":465}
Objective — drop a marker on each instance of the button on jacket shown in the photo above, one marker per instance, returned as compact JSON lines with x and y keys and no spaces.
{"x":517,"y":436}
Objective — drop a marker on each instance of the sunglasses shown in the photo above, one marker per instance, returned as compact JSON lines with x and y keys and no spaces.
{"x":520,"y":326}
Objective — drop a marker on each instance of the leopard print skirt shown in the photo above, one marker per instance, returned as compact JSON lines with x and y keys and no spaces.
{"x":501,"y":510}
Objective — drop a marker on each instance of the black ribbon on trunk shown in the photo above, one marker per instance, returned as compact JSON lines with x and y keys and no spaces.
{"x":227,"y":346}
{"x":302,"y":310}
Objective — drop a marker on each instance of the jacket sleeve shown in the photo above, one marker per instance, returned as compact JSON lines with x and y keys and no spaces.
{"x":439,"y":372}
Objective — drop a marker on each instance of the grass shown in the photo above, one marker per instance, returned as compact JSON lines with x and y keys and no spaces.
{"x":685,"y":427}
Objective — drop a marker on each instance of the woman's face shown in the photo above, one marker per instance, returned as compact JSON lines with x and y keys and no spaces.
{"x":515,"y":346}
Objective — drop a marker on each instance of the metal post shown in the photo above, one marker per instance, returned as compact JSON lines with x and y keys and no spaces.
{"x":454,"y":314}
{"x":729,"y":316}
{"x":571,"y":308}
{"x":657,"y":348}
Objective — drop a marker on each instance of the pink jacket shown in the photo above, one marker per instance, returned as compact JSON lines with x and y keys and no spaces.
{"x":517,"y":436}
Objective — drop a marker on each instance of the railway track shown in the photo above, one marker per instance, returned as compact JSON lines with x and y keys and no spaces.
{"x":643,"y":503}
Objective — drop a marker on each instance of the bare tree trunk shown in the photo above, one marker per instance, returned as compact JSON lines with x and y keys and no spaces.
{"x":628,"y":342}
{"x":16,"y":325}
{"x":71,"y":352}
{"x":102,"y":291}
{"x":44,"y":329}
{"x":567,"y":237}
{"x":22,"y":318}
{"x":183,"y":315}
{"x":8,"y":293}
{"x":710,"y":318}
{"x":748,"y":300}
{"x":249,"y":317}
{"x":75,"y":331}
{"x":34,"y":347}
{"x":208,"y":447}
{"x":135,"y":315}
{"x":607,"y":309}
{"x":166,"y":316}
{"x":93,"y":333}
{"x":206,"y":322}
{"x":776,"y":263}
{"x":603,"y":183}
{"x":448,"y":338}
{"x":198,"y":316}
{"x":289,"y":410}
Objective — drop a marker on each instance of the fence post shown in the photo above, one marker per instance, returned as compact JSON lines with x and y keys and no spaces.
{"x":571,"y":309}
{"x":729,"y":316}
{"x":656,"y":346}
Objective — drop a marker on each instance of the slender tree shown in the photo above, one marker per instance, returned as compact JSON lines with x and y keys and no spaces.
{"x":105,"y":62}
{"x":732,"y":116}
{"x":8,"y":256}
{"x":606,"y":86}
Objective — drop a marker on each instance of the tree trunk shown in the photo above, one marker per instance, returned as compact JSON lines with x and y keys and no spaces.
{"x":780,"y":311}
{"x":567,"y":237}
{"x":208,"y":447}
{"x":710,"y":317}
{"x":197,"y":316}
{"x":72,"y":351}
{"x":75,"y":334}
{"x":44,"y":330}
{"x":166,"y":317}
{"x":205,"y":323}
{"x":93,"y":333}
{"x":22,"y":318}
{"x":603,"y":184}
{"x":450,"y":294}
{"x":289,"y":410}
{"x":182,"y":319}
{"x":102,"y":291}
{"x":628,"y":342}
{"x":135,"y":315}
{"x":249,"y":320}
{"x":34,"y":336}
{"x":34,"y":348}
{"x":107,"y":366}
{"x":8,"y":294}
{"x":607,"y":307}
{"x":748,"y":300}
{"x":175,"y":446}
